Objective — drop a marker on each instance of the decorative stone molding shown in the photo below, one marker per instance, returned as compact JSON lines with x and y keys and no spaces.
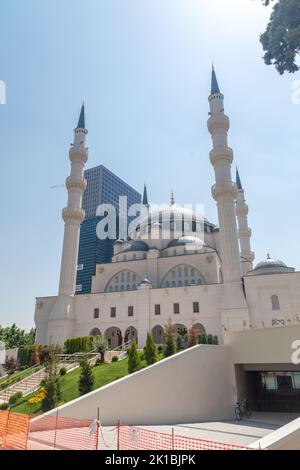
{"x":218,"y":122}
{"x":75,"y":215}
{"x":78,"y":154}
{"x":74,"y":182}
{"x":224,"y":191}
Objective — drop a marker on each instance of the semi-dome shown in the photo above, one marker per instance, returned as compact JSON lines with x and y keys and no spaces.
{"x":136,"y":246}
{"x":187,"y":240}
{"x":272,"y":266}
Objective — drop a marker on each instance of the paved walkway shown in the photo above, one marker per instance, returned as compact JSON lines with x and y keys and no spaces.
{"x":234,"y":432}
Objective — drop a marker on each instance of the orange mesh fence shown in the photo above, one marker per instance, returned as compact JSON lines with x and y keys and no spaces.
{"x":133,"y":438}
{"x":14,"y":430}
{"x":3,"y":425}
{"x":61,"y":433}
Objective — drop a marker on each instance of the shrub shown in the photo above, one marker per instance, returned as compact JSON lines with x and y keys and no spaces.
{"x":134,"y":361}
{"x":115,"y":359}
{"x":169,"y":340}
{"x":80,"y":344}
{"x":14,"y":398}
{"x":62,"y":371}
{"x":193,"y":336}
{"x":11,"y":364}
{"x":98,"y":362}
{"x":4,"y":406}
{"x":102,"y":347}
{"x":160,"y":349}
{"x":86,"y":379}
{"x":180,"y":342}
{"x":52,"y":385}
{"x":150,"y":350}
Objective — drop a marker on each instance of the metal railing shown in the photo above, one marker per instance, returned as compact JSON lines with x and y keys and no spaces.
{"x":18,"y":376}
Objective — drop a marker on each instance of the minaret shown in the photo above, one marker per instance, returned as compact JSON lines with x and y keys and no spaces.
{"x":234,"y":309}
{"x":245,"y":232}
{"x":73,"y":216}
{"x":145,"y":198}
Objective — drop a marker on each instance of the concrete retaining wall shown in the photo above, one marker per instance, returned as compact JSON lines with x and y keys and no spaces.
{"x":191,"y":386}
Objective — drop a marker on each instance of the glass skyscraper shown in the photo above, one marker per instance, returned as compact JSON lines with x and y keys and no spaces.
{"x":103,"y":187}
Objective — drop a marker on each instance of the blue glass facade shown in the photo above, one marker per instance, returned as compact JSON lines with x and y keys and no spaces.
{"x":103,"y":187}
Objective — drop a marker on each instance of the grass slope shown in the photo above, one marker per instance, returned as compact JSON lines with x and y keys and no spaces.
{"x":103,"y":374}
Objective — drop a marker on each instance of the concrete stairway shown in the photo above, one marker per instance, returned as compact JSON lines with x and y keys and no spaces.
{"x":29,"y":384}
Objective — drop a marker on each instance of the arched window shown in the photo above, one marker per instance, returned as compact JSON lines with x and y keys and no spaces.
{"x":182,"y":275}
{"x":275,"y":302}
{"x":117,"y":283}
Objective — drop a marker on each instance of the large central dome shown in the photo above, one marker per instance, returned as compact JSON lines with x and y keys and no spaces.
{"x":176,"y":220}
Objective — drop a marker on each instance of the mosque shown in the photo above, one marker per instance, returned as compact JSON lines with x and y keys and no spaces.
{"x":194,"y":277}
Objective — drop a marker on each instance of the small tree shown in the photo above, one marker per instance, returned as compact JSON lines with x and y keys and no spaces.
{"x":150,"y":350}
{"x":86,"y":379}
{"x":11,"y":364}
{"x":35,"y":356}
{"x":51,"y":383}
{"x":169,"y":340}
{"x":193,"y":336}
{"x":101,"y":344}
{"x":134,"y":361}
{"x":180,"y":342}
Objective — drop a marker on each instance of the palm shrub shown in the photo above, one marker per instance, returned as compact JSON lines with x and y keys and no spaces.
{"x":101,"y":345}
{"x":150,"y":351}
{"x":169,"y":340}
{"x":86,"y":379}
{"x":134,"y":361}
{"x":180,"y":343}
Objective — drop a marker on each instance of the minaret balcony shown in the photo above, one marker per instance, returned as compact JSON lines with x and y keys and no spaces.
{"x":226,"y":192}
{"x":218,"y":122}
{"x":78,"y":154}
{"x":76,"y":183}
{"x":245,"y":233}
{"x":242,"y":210}
{"x":71,"y":214}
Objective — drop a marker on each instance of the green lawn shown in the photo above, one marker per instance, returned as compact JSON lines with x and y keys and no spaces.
{"x":103,"y":374}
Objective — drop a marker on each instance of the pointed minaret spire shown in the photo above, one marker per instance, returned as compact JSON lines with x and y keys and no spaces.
{"x":238,"y":180}
{"x":81,"y":121}
{"x":214,"y":82}
{"x":244,"y":231}
{"x":172,"y":199}
{"x":145,"y":197}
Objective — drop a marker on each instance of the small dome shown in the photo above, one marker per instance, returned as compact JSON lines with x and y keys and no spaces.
{"x":119,"y":242}
{"x":272,"y":266}
{"x":136,"y":246}
{"x":145,"y":283}
{"x":183,"y":241}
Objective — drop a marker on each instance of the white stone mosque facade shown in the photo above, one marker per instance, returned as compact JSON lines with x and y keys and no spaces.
{"x":201,"y":277}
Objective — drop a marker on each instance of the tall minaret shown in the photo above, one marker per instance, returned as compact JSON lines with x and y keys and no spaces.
{"x":145,"y":198}
{"x":242,"y":211}
{"x":234,"y":309}
{"x":73,"y":216}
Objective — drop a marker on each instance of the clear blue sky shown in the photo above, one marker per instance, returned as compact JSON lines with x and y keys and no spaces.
{"x":143,"y":69}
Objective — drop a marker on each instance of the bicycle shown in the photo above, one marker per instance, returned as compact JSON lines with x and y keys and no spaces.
{"x":242,"y":410}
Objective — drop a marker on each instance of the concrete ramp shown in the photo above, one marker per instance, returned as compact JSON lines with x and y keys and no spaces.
{"x":285,"y":438}
{"x":191,"y":386}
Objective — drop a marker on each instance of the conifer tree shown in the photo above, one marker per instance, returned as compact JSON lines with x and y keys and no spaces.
{"x":150,"y":350}
{"x":86,"y":379}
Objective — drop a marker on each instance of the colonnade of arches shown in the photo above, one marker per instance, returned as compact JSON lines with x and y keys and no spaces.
{"x":115,"y":337}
